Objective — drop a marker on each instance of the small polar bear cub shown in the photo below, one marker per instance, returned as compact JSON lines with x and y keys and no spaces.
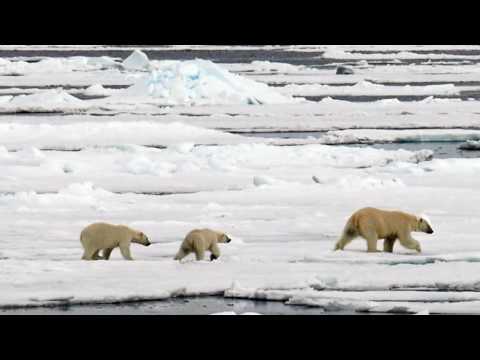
{"x":106,"y":237}
{"x":199,"y":241}
{"x":373,"y":224}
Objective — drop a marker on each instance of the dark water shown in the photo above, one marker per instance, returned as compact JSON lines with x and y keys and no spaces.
{"x":191,"y":306}
{"x":216,"y":55}
{"x":464,"y":96}
{"x":441,"y":149}
{"x":310,"y":58}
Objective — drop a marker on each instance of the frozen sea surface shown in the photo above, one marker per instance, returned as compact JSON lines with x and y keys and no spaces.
{"x":236,"y":145}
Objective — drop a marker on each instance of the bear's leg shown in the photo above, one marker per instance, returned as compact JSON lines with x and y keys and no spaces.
{"x":200,"y":254}
{"x":88,"y":254}
{"x":96,"y":256}
{"x":388,"y":244}
{"x":125,"y":250}
{"x":215,"y":252}
{"x":410,"y":243}
{"x":107,"y":253}
{"x":372,"y":240}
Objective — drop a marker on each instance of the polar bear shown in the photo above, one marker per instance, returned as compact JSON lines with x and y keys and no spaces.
{"x":374,"y":224}
{"x":199,"y":241}
{"x":107,"y":237}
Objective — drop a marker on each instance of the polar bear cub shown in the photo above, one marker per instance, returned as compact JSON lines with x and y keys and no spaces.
{"x":106,"y":237}
{"x":374,"y":224}
{"x":199,"y":241}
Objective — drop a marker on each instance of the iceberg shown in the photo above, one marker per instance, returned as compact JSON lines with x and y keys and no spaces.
{"x":138,"y":60}
{"x":470,"y":145}
{"x":201,"y":82}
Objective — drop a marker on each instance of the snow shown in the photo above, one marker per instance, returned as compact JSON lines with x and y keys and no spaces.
{"x":233,"y":313}
{"x":229,"y":167}
{"x":71,"y":136}
{"x":265,"y":218}
{"x":150,"y":157}
{"x":276,"y":262}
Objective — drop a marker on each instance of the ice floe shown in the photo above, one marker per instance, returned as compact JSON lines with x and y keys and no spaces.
{"x":44,"y":101}
{"x":369,"y":88}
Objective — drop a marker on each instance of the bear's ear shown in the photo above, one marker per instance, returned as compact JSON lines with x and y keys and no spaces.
{"x":425,"y":219}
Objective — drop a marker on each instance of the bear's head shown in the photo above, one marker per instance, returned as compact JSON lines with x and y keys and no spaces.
{"x":223,"y":238}
{"x":424,"y":226}
{"x":141,"y":238}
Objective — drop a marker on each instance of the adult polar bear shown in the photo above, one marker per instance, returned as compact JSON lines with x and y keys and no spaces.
{"x":374,"y":224}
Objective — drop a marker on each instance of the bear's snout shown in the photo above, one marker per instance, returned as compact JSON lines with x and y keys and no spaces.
{"x":229,"y":240}
{"x":430,"y":231}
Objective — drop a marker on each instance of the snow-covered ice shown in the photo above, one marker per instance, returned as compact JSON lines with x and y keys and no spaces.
{"x":49,"y":65}
{"x":43,"y":101}
{"x":368,"y":88}
{"x":213,"y":167}
{"x":156,"y":154}
{"x":71,"y":136}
